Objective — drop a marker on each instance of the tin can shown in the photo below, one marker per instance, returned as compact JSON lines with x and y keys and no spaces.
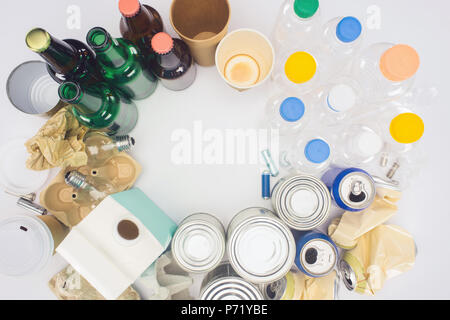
{"x":352,"y":189}
{"x":282,"y":289}
{"x":317,"y":255}
{"x":199,"y":243}
{"x":261,"y":248}
{"x":223,"y":283}
{"x":303,"y":202}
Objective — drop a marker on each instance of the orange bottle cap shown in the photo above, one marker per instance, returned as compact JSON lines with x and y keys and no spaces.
{"x":129,"y":8}
{"x":162,"y":43}
{"x":399,"y":63}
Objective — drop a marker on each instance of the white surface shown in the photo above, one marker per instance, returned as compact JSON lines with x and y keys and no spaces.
{"x":224,"y":190}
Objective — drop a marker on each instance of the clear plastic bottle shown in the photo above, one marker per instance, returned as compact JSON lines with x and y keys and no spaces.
{"x":339,"y":44}
{"x":288,"y":113}
{"x":386,"y":71}
{"x":89,"y":190}
{"x":100,"y":147}
{"x":312,"y":153}
{"x":336,"y":101}
{"x":297,"y":70}
{"x":298,"y":23}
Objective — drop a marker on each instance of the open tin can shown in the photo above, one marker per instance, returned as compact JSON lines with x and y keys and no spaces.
{"x":199,"y":243}
{"x":261,"y":247}
{"x":303,"y":202}
{"x":223,"y":283}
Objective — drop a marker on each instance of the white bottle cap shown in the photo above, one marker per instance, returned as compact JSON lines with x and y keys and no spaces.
{"x":368,"y":143}
{"x":341,"y":98}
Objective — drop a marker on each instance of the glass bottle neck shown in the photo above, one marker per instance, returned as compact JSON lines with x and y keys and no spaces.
{"x":85,"y":101}
{"x":61,"y":56}
{"x":109,"y":51}
{"x":169,"y":60}
{"x":140,"y":21}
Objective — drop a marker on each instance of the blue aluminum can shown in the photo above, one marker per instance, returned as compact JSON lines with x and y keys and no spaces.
{"x":352,"y":189}
{"x":316,"y":254}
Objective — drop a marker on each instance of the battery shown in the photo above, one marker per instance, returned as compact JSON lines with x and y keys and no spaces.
{"x":223,"y":283}
{"x":317,"y":255}
{"x":198,"y":245}
{"x":351,"y":189}
{"x":261,"y":248}
{"x":303,"y":202}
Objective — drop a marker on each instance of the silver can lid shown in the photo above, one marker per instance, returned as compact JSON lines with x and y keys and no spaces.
{"x":198,"y":246}
{"x":261,"y":249}
{"x":357,"y":190}
{"x":230,"y":288}
{"x":318,"y":257}
{"x":303,"y":202}
{"x":348,"y":275}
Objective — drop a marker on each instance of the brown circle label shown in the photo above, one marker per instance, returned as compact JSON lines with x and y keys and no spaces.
{"x":128,"y":230}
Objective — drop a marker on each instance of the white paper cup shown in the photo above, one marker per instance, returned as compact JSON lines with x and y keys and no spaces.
{"x":245,"y":59}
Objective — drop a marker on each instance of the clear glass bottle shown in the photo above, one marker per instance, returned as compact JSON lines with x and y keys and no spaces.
{"x":100,"y":107}
{"x":312,"y":153}
{"x":100,"y":147}
{"x":121,"y":64}
{"x":67,"y":60}
{"x":89,"y":191}
{"x":298,"y":23}
{"x":340,"y":43}
{"x":385,"y":71}
{"x":288,"y":113}
{"x":174,"y":64}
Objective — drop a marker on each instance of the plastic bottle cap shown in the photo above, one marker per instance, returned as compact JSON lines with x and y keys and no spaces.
{"x":162,"y":43}
{"x":300,"y":67}
{"x":399,"y":63}
{"x":129,"y":8}
{"x":38,"y":40}
{"x":306,"y":8}
{"x":349,"y":29}
{"x":407,"y":128}
{"x":317,"y":151}
{"x":341,"y":98}
{"x":369,"y":143}
{"x":292,"y":109}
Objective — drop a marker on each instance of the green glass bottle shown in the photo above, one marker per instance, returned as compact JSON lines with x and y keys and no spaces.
{"x":100,"y":107}
{"x":121,"y":64}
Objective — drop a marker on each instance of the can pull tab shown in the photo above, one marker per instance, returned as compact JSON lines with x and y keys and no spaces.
{"x":357,"y":194}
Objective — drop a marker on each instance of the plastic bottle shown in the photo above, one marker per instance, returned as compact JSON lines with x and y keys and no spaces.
{"x":89,"y":190}
{"x":340,"y":42}
{"x":336,"y":101}
{"x":297,"y":71}
{"x":288,"y":113}
{"x":174,"y":64}
{"x":386,"y":71}
{"x":100,"y":107}
{"x":121,"y":64}
{"x":312,"y":153}
{"x":100,"y":147}
{"x":298,"y":23}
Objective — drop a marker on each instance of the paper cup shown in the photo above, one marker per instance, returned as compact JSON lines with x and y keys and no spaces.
{"x":27,"y":243}
{"x":201,"y":24}
{"x":32,"y":90}
{"x":245,"y":58}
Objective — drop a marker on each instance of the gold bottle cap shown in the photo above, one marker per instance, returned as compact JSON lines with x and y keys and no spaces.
{"x":38,"y":40}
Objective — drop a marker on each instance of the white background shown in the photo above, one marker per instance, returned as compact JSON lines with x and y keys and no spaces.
{"x":226,"y":189}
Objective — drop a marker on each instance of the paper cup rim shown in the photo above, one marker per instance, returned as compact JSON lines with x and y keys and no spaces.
{"x":219,"y":46}
{"x":218,"y":35}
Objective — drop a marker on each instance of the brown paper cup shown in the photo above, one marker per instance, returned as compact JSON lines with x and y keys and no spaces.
{"x":201,"y":24}
{"x":254,"y":51}
{"x":57,"y":229}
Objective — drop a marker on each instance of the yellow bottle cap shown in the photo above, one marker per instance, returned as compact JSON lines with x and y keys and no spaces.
{"x":300,"y":67}
{"x":407,"y":128}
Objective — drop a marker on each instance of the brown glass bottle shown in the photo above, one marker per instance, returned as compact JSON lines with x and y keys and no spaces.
{"x":173,"y":63}
{"x":139,"y":23}
{"x":67,"y":60}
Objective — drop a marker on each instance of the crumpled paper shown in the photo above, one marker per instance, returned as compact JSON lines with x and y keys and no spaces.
{"x":346,"y":230}
{"x":164,"y":280}
{"x":70,"y":285}
{"x":322,"y":288}
{"x":59,"y":143}
{"x":381,"y":254}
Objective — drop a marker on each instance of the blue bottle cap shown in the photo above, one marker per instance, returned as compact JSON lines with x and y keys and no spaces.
{"x":292,"y":109}
{"x":349,"y":29}
{"x":317,"y":151}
